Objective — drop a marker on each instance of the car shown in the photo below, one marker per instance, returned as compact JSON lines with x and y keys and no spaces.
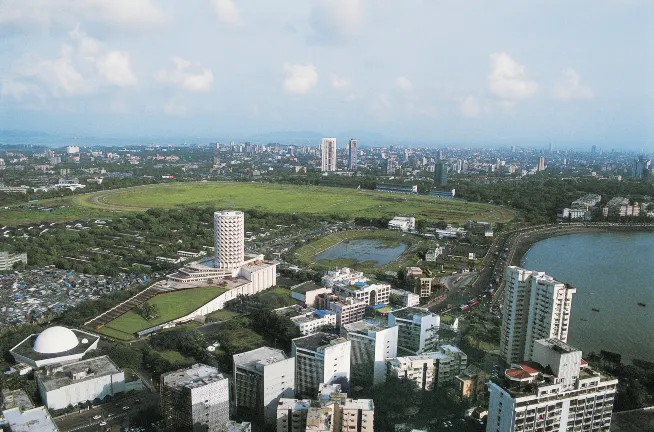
{"x":125,"y":408}
{"x":97,"y":417}
{"x":104,"y":423}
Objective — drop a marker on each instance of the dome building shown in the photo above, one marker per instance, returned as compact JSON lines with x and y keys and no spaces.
{"x":54,"y":345}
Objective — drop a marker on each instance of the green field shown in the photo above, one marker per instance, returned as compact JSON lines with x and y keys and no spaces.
{"x":171,"y":305}
{"x":176,"y":358}
{"x":289,"y":199}
{"x":307,"y":253}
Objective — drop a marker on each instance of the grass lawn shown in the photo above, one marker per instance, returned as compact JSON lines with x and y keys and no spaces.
{"x":222,"y":315}
{"x":277,"y":297}
{"x":175,"y":357}
{"x":114,"y":334}
{"x":291,"y":198}
{"x":171,"y":305}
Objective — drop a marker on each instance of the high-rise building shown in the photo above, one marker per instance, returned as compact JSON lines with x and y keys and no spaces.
{"x":372,"y":344}
{"x":391,"y":165}
{"x":440,"y":174}
{"x":352,"y":149}
{"x":195,"y":399}
{"x":640,"y":167}
{"x":328,"y":151}
{"x":556,"y":391}
{"x":320,"y":358}
{"x":261,"y":377}
{"x":536,"y":306}
{"x":593,"y":149}
{"x":430,"y":370}
{"x":439,"y":155}
{"x":418,"y":329}
{"x":541,"y":163}
{"x":228,"y":234}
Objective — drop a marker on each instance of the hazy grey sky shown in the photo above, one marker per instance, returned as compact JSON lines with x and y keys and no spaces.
{"x":460,"y":71}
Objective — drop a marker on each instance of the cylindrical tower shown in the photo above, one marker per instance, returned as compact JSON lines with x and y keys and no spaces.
{"x":228,"y":239}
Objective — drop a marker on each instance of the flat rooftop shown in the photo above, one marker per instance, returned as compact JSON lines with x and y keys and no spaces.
{"x":408,"y":360}
{"x":410,"y":312}
{"x":362,"y":404}
{"x":305,"y":287}
{"x":364,"y":326}
{"x":557,"y":345}
{"x":85,"y":370}
{"x":16,"y":399}
{"x":293,"y":404}
{"x":256,"y":359}
{"x":197,"y":375}
{"x":318,"y":340}
{"x":34,"y":420}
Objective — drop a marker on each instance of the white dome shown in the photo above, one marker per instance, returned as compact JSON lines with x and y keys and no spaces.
{"x":55,"y":340}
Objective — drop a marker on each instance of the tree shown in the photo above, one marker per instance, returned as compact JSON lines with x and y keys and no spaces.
{"x":148,"y":311}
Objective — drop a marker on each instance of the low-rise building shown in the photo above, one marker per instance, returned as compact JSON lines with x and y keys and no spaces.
{"x":54,"y":345}
{"x":620,"y":206}
{"x":31,"y":420}
{"x":312,"y":321}
{"x":195,"y":399}
{"x":408,"y":298}
{"x":83,"y":381}
{"x":261,"y":377}
{"x":348,"y":310}
{"x":307,"y":292}
{"x":556,"y":391}
{"x":320,"y":358}
{"x":344,"y":276}
{"x":372,"y":344}
{"x":418,"y":329}
{"x":8,"y":260}
{"x":422,"y":282}
{"x":402,"y":223}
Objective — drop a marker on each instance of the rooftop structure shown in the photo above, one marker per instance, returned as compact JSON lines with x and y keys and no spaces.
{"x":312,"y":321}
{"x":54,"y":345}
{"x":344,"y":276}
{"x":402,"y":223}
{"x":16,"y":399}
{"x":83,"y":381}
{"x":32,"y":420}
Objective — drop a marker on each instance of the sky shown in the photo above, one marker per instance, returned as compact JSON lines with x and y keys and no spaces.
{"x":570,"y":72}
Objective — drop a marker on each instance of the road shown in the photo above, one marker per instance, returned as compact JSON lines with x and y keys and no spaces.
{"x":112,"y":412}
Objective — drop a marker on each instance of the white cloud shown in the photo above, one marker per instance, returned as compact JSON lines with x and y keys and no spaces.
{"x":227,"y":11}
{"x":334,"y":20}
{"x":404,"y":83}
{"x":384,"y":101}
{"x":116,"y":69}
{"x":339,"y":82}
{"x":469,"y":107}
{"x":187,"y":75}
{"x":508,"y":79}
{"x":40,"y":14}
{"x":300,"y":78}
{"x":570,"y":87}
{"x":174,"y":108}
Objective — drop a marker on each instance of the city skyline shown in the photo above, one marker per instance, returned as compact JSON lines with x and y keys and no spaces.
{"x":90,"y":69}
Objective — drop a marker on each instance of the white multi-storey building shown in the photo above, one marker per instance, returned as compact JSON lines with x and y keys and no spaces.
{"x":557,"y":391}
{"x":408,"y":298}
{"x":372,"y":344}
{"x":344,"y":276}
{"x":313,"y":321}
{"x":228,"y":235}
{"x":402,"y":223}
{"x":429,"y":370}
{"x":371,"y":294}
{"x":418,"y":329}
{"x":348,"y":310}
{"x":70,"y":384}
{"x":328,"y":152}
{"x":8,"y":260}
{"x":195,"y":399}
{"x":536,"y":306}
{"x":261,"y":377}
{"x":320,"y":358}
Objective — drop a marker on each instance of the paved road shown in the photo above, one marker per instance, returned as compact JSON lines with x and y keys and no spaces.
{"x":112,"y":413}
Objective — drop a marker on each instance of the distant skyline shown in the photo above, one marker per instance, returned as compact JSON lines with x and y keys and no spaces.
{"x":416,"y":72}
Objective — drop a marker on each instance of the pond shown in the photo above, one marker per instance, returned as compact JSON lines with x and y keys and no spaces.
{"x":361,"y":251}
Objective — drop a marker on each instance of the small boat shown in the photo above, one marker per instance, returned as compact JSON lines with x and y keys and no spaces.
{"x":641,"y":304}
{"x":595,"y":310}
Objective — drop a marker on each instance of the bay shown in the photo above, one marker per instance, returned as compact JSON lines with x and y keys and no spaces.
{"x":612,"y":273}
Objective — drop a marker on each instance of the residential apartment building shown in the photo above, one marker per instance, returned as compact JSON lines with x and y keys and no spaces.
{"x":195,"y":399}
{"x":261,"y":377}
{"x":8,"y":260}
{"x":408,"y":298}
{"x":328,"y":152}
{"x":422,"y":282}
{"x":320,"y":358}
{"x":292,"y":414}
{"x":619,"y":206}
{"x":313,"y":321}
{"x":429,"y":370}
{"x":371,"y":294}
{"x":536,"y":306}
{"x":372,"y":344}
{"x":418,"y":329}
{"x":352,"y":149}
{"x":344,"y":276}
{"x":348,"y":310}
{"x":557,"y":391}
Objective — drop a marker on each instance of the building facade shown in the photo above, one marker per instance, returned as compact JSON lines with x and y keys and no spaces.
{"x":429,"y":370}
{"x":352,"y":150}
{"x":348,"y":310}
{"x":370,"y":294}
{"x":313,"y":321}
{"x":261,"y":377}
{"x":320,"y":358}
{"x":422,"y":282}
{"x":228,"y":235}
{"x":195,"y":399}
{"x":8,"y":260}
{"x":328,"y":152}
{"x":536,"y":306}
{"x":372,"y":344}
{"x":418,"y":329}
{"x":440,"y":174}
{"x":557,"y":391}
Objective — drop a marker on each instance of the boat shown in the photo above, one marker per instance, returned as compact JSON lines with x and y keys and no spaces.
{"x":641,"y":304}
{"x":595,"y":310}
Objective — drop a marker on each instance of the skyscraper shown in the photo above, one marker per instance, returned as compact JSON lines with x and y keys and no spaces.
{"x":196,"y":398}
{"x":352,"y":154}
{"x":228,"y":234}
{"x":541,"y":163}
{"x":440,"y":174}
{"x":328,"y":149}
{"x":536,"y":306}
